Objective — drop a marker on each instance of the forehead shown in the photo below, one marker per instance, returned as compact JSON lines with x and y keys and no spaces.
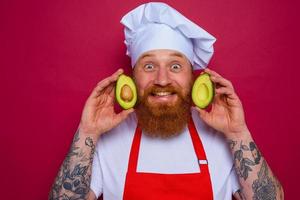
{"x":162,"y":54}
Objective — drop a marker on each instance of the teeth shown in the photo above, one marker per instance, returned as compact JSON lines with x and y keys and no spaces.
{"x":162,"y":93}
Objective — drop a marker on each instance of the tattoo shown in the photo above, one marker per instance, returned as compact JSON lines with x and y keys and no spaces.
{"x":241,"y":195}
{"x":73,"y":179}
{"x":89,"y":142}
{"x":264,"y":188}
{"x":232,"y":143}
{"x":243,"y":164}
{"x":255,"y":152}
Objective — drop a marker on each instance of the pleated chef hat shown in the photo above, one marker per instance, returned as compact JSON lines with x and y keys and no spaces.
{"x":158,"y":26}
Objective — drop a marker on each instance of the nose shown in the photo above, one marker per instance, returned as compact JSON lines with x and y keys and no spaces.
{"x":162,"y":77}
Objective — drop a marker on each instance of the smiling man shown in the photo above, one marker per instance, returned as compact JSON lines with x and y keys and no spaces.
{"x":164,"y":148}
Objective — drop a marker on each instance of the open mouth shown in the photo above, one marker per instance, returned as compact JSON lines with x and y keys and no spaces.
{"x":162,"y":94}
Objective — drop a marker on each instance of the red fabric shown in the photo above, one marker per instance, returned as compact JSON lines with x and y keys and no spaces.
{"x":149,"y":186}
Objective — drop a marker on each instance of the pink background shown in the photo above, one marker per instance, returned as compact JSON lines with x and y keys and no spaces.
{"x":54,"y":52}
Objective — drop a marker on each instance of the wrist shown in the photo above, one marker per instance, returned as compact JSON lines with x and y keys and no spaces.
{"x":87,"y":133}
{"x":238,"y":135}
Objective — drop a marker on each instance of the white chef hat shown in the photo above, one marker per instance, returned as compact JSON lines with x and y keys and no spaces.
{"x":158,"y":26}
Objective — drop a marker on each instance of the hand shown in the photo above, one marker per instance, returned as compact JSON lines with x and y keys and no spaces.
{"x":98,"y":115}
{"x":227,"y":114}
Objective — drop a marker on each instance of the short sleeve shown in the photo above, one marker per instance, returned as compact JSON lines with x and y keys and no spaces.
{"x":96,"y":179}
{"x":235,"y":185}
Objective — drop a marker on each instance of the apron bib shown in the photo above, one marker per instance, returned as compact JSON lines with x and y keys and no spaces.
{"x":150,"y":186}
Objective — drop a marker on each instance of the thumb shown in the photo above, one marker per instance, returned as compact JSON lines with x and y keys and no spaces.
{"x":123,"y":115}
{"x":203,"y":114}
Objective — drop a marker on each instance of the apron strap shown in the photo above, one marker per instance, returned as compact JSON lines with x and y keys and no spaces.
{"x":134,"y":152}
{"x":198,"y":146}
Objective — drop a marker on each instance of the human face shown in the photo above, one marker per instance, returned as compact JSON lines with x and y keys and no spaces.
{"x":163,"y":68}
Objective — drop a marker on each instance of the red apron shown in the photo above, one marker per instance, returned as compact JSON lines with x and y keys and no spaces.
{"x":149,"y":186}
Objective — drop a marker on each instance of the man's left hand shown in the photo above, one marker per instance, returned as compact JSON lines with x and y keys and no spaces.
{"x":226,"y":114}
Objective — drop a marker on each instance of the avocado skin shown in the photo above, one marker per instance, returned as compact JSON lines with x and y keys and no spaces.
{"x":125,"y":80}
{"x":203,"y":91}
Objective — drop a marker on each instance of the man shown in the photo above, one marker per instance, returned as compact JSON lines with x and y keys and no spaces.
{"x":164,"y":148}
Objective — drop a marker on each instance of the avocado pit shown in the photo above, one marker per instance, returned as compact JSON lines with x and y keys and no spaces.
{"x":126,"y":93}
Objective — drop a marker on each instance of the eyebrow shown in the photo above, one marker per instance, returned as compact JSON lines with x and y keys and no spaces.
{"x":177,"y":55}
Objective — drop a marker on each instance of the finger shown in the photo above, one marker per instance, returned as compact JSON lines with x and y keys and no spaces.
{"x":227,"y":95}
{"x":217,"y":78}
{"x":204,"y":115}
{"x":222,"y":81}
{"x":105,"y":83}
{"x":111,"y":91}
{"x":211,"y":72}
{"x":123,"y":115}
{"x":113,"y":77}
{"x":225,"y":91}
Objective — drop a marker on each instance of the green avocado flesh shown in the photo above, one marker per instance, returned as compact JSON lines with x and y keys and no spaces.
{"x":126,"y":92}
{"x":203,"y":91}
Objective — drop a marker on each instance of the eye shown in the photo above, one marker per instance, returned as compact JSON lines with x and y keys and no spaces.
{"x":175,"y":67}
{"x":148,"y":67}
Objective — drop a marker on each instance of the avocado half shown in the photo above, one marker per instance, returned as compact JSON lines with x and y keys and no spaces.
{"x":126,"y":94}
{"x":203,"y":91}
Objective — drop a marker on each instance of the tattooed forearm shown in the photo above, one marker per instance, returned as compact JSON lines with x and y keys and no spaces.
{"x":243,"y":165}
{"x":256,"y":179}
{"x":73,"y":179}
{"x":264,"y":187}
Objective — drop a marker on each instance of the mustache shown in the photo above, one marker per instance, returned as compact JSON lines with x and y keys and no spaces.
{"x":155,"y":89}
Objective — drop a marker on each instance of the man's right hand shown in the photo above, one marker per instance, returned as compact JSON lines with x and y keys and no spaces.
{"x":98,"y":115}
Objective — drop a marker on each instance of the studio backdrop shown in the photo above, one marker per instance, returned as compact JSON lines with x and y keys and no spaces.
{"x":54,"y":52}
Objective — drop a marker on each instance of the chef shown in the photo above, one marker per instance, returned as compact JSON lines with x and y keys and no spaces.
{"x":164,"y":148}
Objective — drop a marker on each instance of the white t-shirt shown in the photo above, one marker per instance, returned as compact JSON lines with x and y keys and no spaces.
{"x":175,"y":155}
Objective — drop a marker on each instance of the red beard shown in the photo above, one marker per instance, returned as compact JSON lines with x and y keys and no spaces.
{"x":166,"y":119}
